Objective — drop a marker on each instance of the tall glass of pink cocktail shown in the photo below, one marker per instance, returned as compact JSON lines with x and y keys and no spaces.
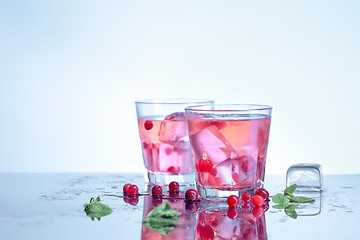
{"x":165,"y":141}
{"x":229,"y":143}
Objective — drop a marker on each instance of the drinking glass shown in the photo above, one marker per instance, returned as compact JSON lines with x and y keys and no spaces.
{"x":229,"y":144}
{"x":164,"y":139}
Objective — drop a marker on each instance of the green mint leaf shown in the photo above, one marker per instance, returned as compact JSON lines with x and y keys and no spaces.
{"x":164,"y":210}
{"x":290,"y":211}
{"x":162,"y":219}
{"x":290,"y":189}
{"x":280,"y":199}
{"x":301,"y":199}
{"x":279,"y":206}
{"x":95,"y":209}
{"x":162,"y":229}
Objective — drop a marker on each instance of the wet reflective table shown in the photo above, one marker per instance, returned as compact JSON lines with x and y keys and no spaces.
{"x":50,"y":206}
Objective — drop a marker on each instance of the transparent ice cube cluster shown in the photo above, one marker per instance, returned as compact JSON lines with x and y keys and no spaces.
{"x":307,"y":176}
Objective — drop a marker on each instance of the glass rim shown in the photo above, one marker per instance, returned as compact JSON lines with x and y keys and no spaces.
{"x":175,"y":101}
{"x":228,"y":108}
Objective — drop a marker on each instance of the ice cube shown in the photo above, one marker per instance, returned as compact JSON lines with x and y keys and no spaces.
{"x":248,"y":151}
{"x":173,"y":128}
{"x":211,"y":143}
{"x":307,"y":176}
{"x":173,"y":159}
{"x":238,"y":172}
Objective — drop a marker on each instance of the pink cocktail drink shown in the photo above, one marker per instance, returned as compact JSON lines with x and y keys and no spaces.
{"x":165,"y":141}
{"x":229,"y":148}
{"x":165,"y":144}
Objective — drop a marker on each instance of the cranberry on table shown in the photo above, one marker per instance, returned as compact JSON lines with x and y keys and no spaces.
{"x":257,"y":200}
{"x":233,"y":201}
{"x":133,"y":190}
{"x":133,"y":201}
{"x":246,"y":197}
{"x":191,"y":195}
{"x":191,"y":207}
{"x":148,"y":125}
{"x":156,"y":190}
{"x":174,"y":186}
{"x":126,"y":188}
{"x":263,"y":192}
{"x":232,"y":213}
{"x":258,"y":211}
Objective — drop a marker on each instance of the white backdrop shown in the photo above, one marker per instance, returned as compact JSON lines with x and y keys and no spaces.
{"x":70,"y":72}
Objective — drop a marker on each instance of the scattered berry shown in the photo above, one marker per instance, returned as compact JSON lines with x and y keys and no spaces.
{"x":246,"y":197}
{"x":206,"y":232}
{"x":232,"y":213}
{"x":233,"y":201}
{"x":258,"y":211}
{"x":174,"y":187}
{"x":191,"y":207}
{"x":148,"y":125}
{"x":133,"y":201}
{"x":263,"y":192}
{"x":126,"y":188}
{"x":191,"y":195}
{"x":157,"y":201}
{"x":204,"y":165}
{"x":172,"y":170}
{"x":156,"y":191}
{"x":257,"y":200}
{"x":133,"y":190}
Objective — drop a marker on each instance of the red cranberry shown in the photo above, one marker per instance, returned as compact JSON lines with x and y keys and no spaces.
{"x":148,"y":125}
{"x":246,"y":197}
{"x":257,"y":200}
{"x":133,"y":190}
{"x":206,"y":232}
{"x":126,"y":188}
{"x":156,"y":190}
{"x":172,"y":169}
{"x":205,"y":165}
{"x":233,"y":201}
{"x":263,"y":192}
{"x":174,"y":187}
{"x":133,"y":201}
{"x":157,"y":201}
{"x":232,"y":213}
{"x":191,"y":207}
{"x":191,"y":195}
{"x":258,"y":211}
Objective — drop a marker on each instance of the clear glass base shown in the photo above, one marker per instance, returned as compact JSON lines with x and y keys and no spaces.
{"x":216,"y":194}
{"x":165,"y":179}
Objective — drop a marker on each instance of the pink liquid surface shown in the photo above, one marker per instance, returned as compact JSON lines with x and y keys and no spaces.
{"x":230,"y":154}
{"x":165,"y":146}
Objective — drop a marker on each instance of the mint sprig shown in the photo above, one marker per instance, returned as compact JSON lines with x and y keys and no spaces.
{"x":162,"y":219}
{"x":96,"y":209}
{"x":289,"y":202}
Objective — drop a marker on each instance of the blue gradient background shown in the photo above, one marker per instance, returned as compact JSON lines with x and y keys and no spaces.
{"x":70,"y":72}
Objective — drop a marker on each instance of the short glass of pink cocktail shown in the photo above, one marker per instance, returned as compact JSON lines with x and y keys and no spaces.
{"x":165,"y":141}
{"x":229,"y":143}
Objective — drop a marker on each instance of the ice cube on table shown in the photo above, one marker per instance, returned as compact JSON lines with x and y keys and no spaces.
{"x":307,"y":176}
{"x":173,"y":128}
{"x":212,"y":143}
